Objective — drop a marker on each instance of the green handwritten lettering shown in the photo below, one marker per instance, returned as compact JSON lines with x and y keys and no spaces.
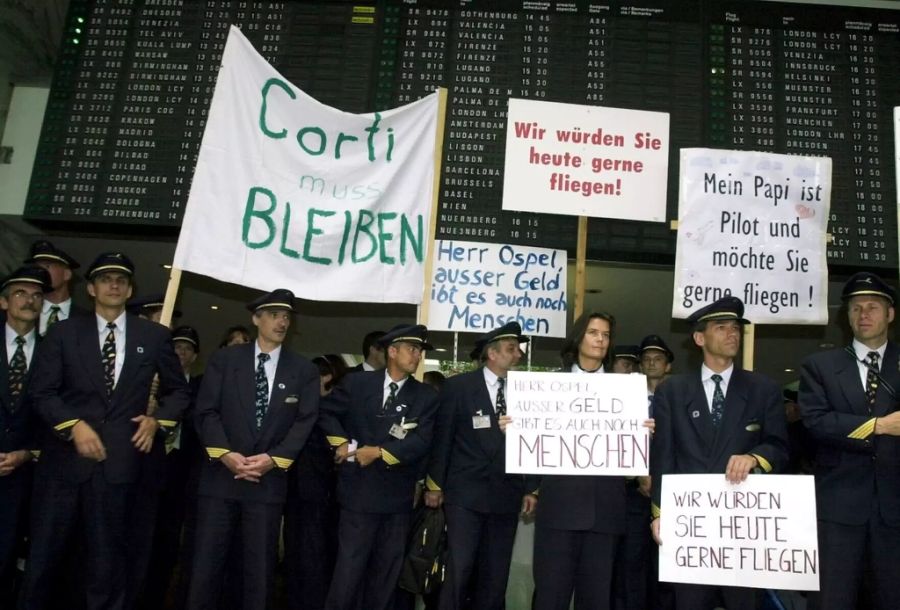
{"x":384,"y":237}
{"x":250,"y":212}
{"x":363,"y":227}
{"x":416,"y":240}
{"x":312,"y":231}
{"x":285,"y":229}
{"x":322,"y":140}
{"x":262,"y":111}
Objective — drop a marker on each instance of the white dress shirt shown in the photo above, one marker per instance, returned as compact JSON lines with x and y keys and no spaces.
{"x":493,"y":384}
{"x":65,"y":307}
{"x":12,"y":346}
{"x":709,"y":386}
{"x":387,"y":386}
{"x":862,"y":354}
{"x":270,"y":366}
{"x":119,"y":333}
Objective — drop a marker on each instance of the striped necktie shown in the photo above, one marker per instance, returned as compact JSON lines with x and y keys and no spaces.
{"x":262,"y":390}
{"x":53,"y":318}
{"x":501,"y":397}
{"x":109,"y":358}
{"x":18,"y":367}
{"x":718,"y":401}
{"x":871,"y":378}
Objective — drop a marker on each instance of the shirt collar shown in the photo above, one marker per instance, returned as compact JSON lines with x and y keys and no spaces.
{"x":64,"y":306}
{"x":706,"y":374}
{"x":11,"y":335}
{"x":489,"y":377}
{"x":388,"y":381}
{"x":119,"y":322}
{"x":273,"y":355}
{"x":368,"y":367}
{"x":862,"y":351}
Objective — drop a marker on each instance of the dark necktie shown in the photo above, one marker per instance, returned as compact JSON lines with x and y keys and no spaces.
{"x":109,"y":358}
{"x":53,"y":318}
{"x":262,"y":389}
{"x":18,"y":366}
{"x":872,"y":378}
{"x":391,"y":399}
{"x":501,"y":398}
{"x":718,"y":401}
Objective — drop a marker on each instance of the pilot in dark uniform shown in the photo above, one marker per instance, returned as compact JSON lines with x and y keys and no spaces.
{"x":848,"y":399}
{"x":720,"y":419}
{"x":91,"y":381}
{"x":625,"y":359}
{"x":57,"y":305}
{"x":388,"y":416}
{"x":257,"y":405}
{"x":21,"y":295}
{"x":467,"y":474}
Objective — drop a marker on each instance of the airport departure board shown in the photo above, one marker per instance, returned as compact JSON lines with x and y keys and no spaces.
{"x":135,"y":78}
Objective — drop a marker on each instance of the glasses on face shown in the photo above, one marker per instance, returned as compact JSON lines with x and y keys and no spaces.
{"x":24,"y":295}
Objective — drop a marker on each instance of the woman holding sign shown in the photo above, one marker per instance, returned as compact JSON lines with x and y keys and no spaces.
{"x":579,"y":518}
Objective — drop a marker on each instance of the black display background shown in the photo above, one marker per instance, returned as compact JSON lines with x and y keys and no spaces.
{"x":134,"y":81}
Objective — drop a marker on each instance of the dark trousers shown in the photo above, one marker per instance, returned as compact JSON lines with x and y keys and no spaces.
{"x":13,"y":501}
{"x":703,"y":597}
{"x":567,"y":562}
{"x":370,"y":555}
{"x":845,"y":551}
{"x":102,"y":510}
{"x":310,"y":541}
{"x":479,"y":544}
{"x":633,"y":577}
{"x":169,"y":518}
{"x":217,"y":522}
{"x":141,"y":532}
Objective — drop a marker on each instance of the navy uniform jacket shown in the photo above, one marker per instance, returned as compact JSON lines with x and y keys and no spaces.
{"x":468,"y":464}
{"x":353,"y":411}
{"x":686,"y":442}
{"x":855,"y":470}
{"x":17,"y":418}
{"x":68,"y":386}
{"x":226,"y":420}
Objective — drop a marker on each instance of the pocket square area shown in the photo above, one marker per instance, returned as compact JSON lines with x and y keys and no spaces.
{"x":291,"y":399}
{"x":752,"y":428}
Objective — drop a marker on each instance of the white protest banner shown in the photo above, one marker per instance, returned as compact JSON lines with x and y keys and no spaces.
{"x":291,"y":193}
{"x":565,"y":423}
{"x":586,"y":160}
{"x":753,"y":225}
{"x":477,"y":287}
{"x":760,"y":533}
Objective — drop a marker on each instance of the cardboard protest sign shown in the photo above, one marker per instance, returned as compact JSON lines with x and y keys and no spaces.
{"x":753,"y":225}
{"x":761,"y":533}
{"x":563,"y":423}
{"x":291,"y":193}
{"x":586,"y":160}
{"x":477,"y":287}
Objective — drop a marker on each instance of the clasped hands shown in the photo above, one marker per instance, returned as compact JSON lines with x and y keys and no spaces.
{"x":365,"y":455}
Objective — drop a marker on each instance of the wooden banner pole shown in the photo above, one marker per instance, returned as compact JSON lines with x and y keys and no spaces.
{"x":423,"y":309}
{"x":580,"y":256}
{"x":749,"y":338}
{"x":171,"y":296}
